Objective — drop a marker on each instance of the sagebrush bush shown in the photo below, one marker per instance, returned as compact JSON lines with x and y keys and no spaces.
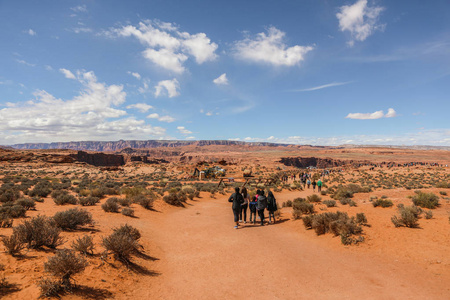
{"x":426,"y":200}
{"x":13,"y":244}
{"x":41,"y":189}
{"x":361,"y":218}
{"x":38,"y":232}
{"x":128,"y":211}
{"x":84,"y":245}
{"x":26,"y":203}
{"x":11,"y":210}
{"x":72,"y":218}
{"x":146,"y":201}
{"x":337,"y":223}
{"x":301,"y":206}
{"x":348,"y":201}
{"x":62,"y":197}
{"x":64,"y":265}
{"x":428,"y":214}
{"x":49,"y":288}
{"x":382,"y":203}
{"x":176,"y":198}
{"x":111,"y":205}
{"x":329,"y":203}
{"x":409,"y":216}
{"x":123,"y":242}
{"x":88,"y":201}
{"x":314,"y":198}
{"x":287,"y":203}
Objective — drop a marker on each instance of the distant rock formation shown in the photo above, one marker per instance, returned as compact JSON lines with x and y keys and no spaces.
{"x":100,"y":159}
{"x":122,"y":145}
{"x":304,"y":162}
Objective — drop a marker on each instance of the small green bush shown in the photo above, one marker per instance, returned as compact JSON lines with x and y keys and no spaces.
{"x":72,"y":218}
{"x":111,"y":205}
{"x":64,"y":265}
{"x":409,"y":216}
{"x":426,"y":200}
{"x":26,"y":203}
{"x":314,"y":198}
{"x":301,"y":206}
{"x":382,"y":203}
{"x":84,"y":245}
{"x":128,"y":211}
{"x":329,"y":203}
{"x":123,"y":242}
{"x":88,"y":201}
{"x":38,"y":232}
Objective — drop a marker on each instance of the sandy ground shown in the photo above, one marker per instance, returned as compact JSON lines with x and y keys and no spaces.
{"x":195,"y":253}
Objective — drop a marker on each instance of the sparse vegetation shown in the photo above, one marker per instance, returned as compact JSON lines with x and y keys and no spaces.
{"x":38,"y":232}
{"x":72,"y":218}
{"x":123,"y":242}
{"x":382,"y":203}
{"x":426,"y":200}
{"x":111,"y":205}
{"x":409,"y":216}
{"x":84,"y":245}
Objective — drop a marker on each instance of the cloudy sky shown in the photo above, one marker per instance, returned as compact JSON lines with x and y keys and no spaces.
{"x":323,"y":72}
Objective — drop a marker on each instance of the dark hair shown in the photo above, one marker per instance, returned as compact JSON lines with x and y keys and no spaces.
{"x":270,"y":194}
{"x":261,"y":192}
{"x":244,"y":192}
{"x":258,"y":192}
{"x":236,"y":189}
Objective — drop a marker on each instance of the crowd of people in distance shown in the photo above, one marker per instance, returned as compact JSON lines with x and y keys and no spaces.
{"x":257,"y":205}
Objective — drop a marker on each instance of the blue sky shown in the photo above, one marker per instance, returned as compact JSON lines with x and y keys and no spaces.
{"x":303,"y":72}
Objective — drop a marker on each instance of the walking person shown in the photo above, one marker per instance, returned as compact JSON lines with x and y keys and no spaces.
{"x":319,"y":185}
{"x":308,"y":183}
{"x":244,"y":206}
{"x":261,"y":205}
{"x":314,"y":185}
{"x":237,"y":200}
{"x":252,"y":206}
{"x":271,"y":206}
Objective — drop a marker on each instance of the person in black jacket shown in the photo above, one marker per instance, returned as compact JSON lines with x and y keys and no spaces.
{"x":237,"y":200}
{"x":261,"y":205}
{"x":271,"y":206}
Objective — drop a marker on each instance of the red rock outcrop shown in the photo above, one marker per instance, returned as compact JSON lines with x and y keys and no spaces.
{"x":100,"y":159}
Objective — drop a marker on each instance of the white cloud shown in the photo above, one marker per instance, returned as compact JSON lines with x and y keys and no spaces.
{"x":372,"y":116}
{"x":135,"y":75}
{"x":166,"y":59}
{"x":31,"y":32}
{"x":322,"y":86}
{"x":435,"y":137}
{"x":359,"y":19}
{"x":48,"y":68}
{"x":79,"y":8}
{"x":209,"y":113}
{"x":391,"y":113}
{"x":91,"y":115}
{"x":190,"y":138}
{"x":170,"y":86}
{"x":67,"y":73}
{"x":166,"y":46}
{"x":142,"y":107}
{"x":145,"y":86}
{"x":221,"y":80}
{"x":183,"y":130}
{"x":270,"y":48}
{"x":167,"y":119}
{"x":82,"y":29}
{"x":21,"y":61}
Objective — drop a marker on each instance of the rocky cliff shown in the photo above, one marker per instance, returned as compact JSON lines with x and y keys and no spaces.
{"x":99,"y":159}
{"x":114,"y":146}
{"x":304,"y":162}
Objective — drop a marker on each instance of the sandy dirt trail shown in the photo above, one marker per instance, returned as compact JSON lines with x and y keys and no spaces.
{"x":204,"y":257}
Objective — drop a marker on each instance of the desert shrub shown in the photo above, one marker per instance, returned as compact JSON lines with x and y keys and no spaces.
{"x":428,"y":214}
{"x":382,"y":203}
{"x":5,"y":221}
{"x":10,"y":210}
{"x":307,"y":221}
{"x":41,"y":189}
{"x":287,"y":203}
{"x":314,"y":198}
{"x":88,"y":201}
{"x":337,"y":223}
{"x":123,"y":242}
{"x":84,"y":245}
{"x":26,"y":203}
{"x":348,"y":201}
{"x":409,"y":216}
{"x":400,"y":205}
{"x":128,"y":211}
{"x":443,"y":193}
{"x":125,"y":201}
{"x":72,"y":218}
{"x":64,"y":265}
{"x":361,"y":218}
{"x":111,"y":205}
{"x":9,"y":195}
{"x":443,"y":185}
{"x":329,"y":203}
{"x":426,"y":200}
{"x":301,"y":206}
{"x":49,"y":288}
{"x":62,"y":197}
{"x":342,"y":193}
{"x":13,"y":244}
{"x":176,"y":198}
{"x":146,"y":201}
{"x":38,"y":232}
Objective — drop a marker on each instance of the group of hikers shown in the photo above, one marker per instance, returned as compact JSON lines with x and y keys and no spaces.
{"x":258,"y":203}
